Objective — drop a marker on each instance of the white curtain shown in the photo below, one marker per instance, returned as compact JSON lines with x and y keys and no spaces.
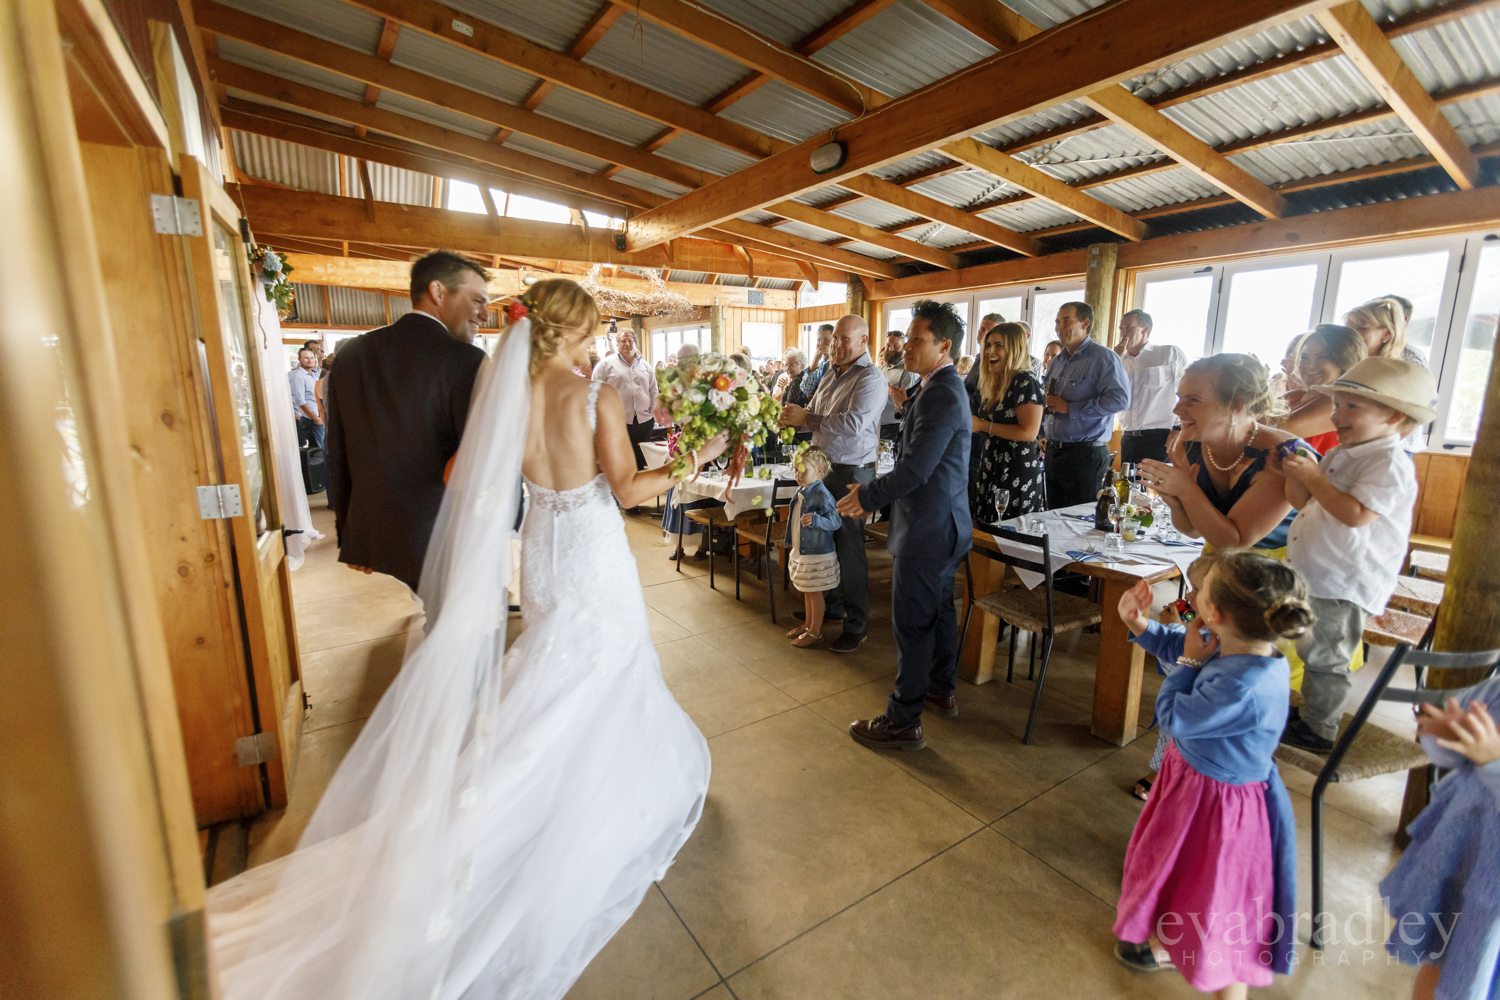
{"x":281,"y":430}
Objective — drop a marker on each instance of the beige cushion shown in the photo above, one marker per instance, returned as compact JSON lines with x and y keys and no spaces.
{"x":1376,"y":751}
{"x":1027,"y":609}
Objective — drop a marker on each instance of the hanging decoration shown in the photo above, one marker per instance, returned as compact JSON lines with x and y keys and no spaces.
{"x":272,"y":270}
{"x":657,"y":300}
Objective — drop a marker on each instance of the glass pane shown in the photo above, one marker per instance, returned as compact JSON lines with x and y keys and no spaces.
{"x":232,"y":320}
{"x":522,"y":207}
{"x":1478,"y":348}
{"x":897,"y":320}
{"x":658,"y":346}
{"x":1010,"y":308}
{"x":1178,"y":308}
{"x":762,"y":341}
{"x":1267,"y":308}
{"x":1418,"y":277}
{"x":827,"y":293}
{"x":1044,"y":307}
{"x":465,"y":197}
{"x":603,"y":221}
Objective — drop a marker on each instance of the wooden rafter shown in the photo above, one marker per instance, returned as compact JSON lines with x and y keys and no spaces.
{"x":737,"y":42}
{"x":1105,"y":46}
{"x":592,"y":32}
{"x":990,"y":20}
{"x":1138,"y":117}
{"x":384,"y":49}
{"x":865,"y":234}
{"x":937,"y":211}
{"x":1361,"y":39}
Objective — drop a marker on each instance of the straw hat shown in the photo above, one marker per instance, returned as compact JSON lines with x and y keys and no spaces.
{"x":1401,"y":385}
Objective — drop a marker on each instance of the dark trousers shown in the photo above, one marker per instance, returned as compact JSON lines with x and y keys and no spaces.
{"x":926,"y":627}
{"x":1075,"y":472}
{"x":1138,"y":445}
{"x":639,"y":430}
{"x":850,"y":600}
{"x":309,"y":433}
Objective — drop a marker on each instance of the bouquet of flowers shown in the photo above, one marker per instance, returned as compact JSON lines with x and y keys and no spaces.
{"x":711,"y":396}
{"x":273,"y":271}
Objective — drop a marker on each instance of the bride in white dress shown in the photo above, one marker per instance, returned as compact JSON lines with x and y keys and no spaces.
{"x":501,"y":814}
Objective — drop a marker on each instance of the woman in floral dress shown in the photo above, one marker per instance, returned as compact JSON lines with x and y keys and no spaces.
{"x":1007,"y":408}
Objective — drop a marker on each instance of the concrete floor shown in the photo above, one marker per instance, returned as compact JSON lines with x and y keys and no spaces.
{"x":976,"y":868}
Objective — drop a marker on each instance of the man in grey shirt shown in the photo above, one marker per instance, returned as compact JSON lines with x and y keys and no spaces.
{"x":844,"y":417}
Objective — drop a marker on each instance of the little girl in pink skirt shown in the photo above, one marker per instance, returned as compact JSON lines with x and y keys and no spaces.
{"x":1210,"y":873}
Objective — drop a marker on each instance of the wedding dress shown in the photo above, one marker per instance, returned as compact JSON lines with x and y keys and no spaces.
{"x":501,"y":815}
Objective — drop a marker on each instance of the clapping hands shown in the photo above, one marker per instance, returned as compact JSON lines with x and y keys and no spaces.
{"x":1134,"y":604}
{"x":1471,"y":733}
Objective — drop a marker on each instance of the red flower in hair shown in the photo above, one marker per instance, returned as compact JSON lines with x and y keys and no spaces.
{"x":516,"y":310}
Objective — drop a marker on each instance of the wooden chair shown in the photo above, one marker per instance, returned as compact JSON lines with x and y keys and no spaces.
{"x":768,"y":535}
{"x":711,"y":518}
{"x":1039,"y":609}
{"x":1428,"y":565}
{"x":1368,"y":751}
{"x":1417,"y":596}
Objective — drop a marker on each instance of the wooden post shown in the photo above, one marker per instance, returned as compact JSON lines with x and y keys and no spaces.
{"x":716,"y":327}
{"x":1099,"y":290}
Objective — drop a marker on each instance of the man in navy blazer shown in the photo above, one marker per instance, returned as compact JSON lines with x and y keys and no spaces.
{"x":928,"y":492}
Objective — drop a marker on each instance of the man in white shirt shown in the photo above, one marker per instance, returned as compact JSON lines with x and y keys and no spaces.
{"x":302,"y":381}
{"x":1154,"y":371}
{"x":635,"y":381}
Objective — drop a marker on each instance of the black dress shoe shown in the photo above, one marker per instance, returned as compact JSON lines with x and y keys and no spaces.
{"x":1299,"y":734}
{"x":801,"y":616}
{"x":878,"y":734}
{"x":847,"y":642}
{"x":944,"y":705}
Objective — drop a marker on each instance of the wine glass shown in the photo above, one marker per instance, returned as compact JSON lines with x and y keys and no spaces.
{"x":1002,"y":501}
{"x":1115,"y":513}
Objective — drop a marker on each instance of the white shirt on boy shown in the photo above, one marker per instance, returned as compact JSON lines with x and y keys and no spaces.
{"x":1359,"y":565}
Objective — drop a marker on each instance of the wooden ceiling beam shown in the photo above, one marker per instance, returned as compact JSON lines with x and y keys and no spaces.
{"x":598,"y":25}
{"x":381,"y":75}
{"x":513,"y":50}
{"x":992,"y":21}
{"x":1139,"y":118}
{"x":1104,"y":46}
{"x":755,"y":237}
{"x":850,"y":229}
{"x":1044,"y":185}
{"x":735,"y":41}
{"x":1361,"y":39}
{"x":937,"y":211}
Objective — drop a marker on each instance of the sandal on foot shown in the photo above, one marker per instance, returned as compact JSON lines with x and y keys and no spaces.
{"x":1141,"y":957}
{"x":1142,"y":789}
{"x":794,"y":633}
{"x":807,"y":641}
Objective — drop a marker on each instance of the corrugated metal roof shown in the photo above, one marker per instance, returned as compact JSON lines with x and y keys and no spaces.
{"x":704,"y":154}
{"x":404,"y":187}
{"x":549,"y":151}
{"x":781,"y":284}
{"x":288,"y":68}
{"x":737,"y":280}
{"x":758,"y":217}
{"x":965,"y":188}
{"x":447,"y":118}
{"x":656,"y":185}
{"x":1463,"y":51}
{"x":327,"y":19}
{"x":309,"y":306}
{"x":287,"y":163}
{"x":784,"y":21}
{"x":947,"y":236}
{"x":604,"y":119}
{"x":663,"y":60}
{"x":904,"y":48}
{"x":249,"y":98}
{"x":1027,"y":215}
{"x":356,"y":307}
{"x":822,"y":196}
{"x":424,"y":53}
{"x":1166,"y":188}
{"x":784,"y":112}
{"x":807,"y":232}
{"x":875,"y":213}
{"x":1047,"y":13}
{"x":554,"y":23}
{"x":691,"y":277}
{"x":879,"y":253}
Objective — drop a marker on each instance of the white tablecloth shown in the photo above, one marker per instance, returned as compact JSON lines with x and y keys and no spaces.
{"x":747,"y":494}
{"x":1071,"y":530}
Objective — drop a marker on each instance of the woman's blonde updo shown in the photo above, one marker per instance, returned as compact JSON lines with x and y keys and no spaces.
{"x":556,"y":308}
{"x":1240,"y":381}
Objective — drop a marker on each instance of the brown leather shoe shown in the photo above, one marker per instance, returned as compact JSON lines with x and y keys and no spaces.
{"x":877,"y":734}
{"x":946,"y":706}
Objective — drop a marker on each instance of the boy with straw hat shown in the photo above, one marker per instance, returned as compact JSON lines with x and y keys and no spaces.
{"x":1349,"y":538}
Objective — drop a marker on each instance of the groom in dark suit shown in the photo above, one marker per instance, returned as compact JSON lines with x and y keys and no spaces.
{"x":928,"y":491}
{"x":397,"y":402}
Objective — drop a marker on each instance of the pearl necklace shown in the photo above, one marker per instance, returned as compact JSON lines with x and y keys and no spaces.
{"x":1254,"y":430}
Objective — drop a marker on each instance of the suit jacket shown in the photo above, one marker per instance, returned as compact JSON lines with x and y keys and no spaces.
{"x":928,"y":490}
{"x":397,"y":402}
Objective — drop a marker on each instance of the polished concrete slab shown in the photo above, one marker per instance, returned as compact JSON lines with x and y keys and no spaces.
{"x":978,"y":867}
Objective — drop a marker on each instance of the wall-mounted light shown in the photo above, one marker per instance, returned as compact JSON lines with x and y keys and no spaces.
{"x":828,"y":157}
{"x":529,"y":279}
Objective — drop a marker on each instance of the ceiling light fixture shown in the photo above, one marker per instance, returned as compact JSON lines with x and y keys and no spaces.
{"x":829,"y":157}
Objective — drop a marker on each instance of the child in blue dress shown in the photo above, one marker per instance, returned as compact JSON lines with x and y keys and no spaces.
{"x":813,"y":564}
{"x":1211,"y":869}
{"x":1444,"y":893}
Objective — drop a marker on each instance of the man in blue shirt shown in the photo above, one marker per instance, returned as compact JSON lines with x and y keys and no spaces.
{"x":1086,"y":387}
{"x":301,"y":381}
{"x":819,"y":366}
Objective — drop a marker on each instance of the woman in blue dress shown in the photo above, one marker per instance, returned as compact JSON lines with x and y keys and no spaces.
{"x":1444,"y":893}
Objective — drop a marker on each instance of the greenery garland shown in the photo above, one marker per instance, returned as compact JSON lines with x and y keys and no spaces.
{"x":272,"y":269}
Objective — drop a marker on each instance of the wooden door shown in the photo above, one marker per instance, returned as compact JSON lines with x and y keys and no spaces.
{"x":220,"y":267}
{"x":101,"y":889}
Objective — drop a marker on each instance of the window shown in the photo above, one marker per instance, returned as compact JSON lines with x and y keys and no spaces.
{"x":762,"y":341}
{"x":658,"y":346}
{"x":1012,"y":307}
{"x":897,"y":320}
{"x":1418,"y":277}
{"x":826,"y":294}
{"x":1472,"y":371}
{"x":1179,"y":308}
{"x":465,"y":197}
{"x":1045,"y":302}
{"x":1266,"y":307}
{"x":602,"y":221}
{"x":518,"y":206}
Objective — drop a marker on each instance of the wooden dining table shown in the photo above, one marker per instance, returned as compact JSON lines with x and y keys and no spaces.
{"x":1120,"y":664}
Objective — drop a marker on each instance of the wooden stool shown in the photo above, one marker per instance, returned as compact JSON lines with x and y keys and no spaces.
{"x":1428,"y":565}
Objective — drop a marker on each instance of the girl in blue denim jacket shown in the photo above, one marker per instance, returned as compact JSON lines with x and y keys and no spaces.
{"x":814,"y":567}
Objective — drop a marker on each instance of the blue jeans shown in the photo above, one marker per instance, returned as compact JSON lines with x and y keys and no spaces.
{"x":310,"y":433}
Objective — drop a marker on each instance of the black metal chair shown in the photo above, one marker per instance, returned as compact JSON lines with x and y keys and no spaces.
{"x":765,"y":535}
{"x":1366,"y":752}
{"x":1038,"y":609}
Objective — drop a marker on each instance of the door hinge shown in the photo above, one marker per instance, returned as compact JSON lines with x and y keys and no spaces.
{"x":257,"y":749}
{"x":176,"y":216}
{"x":219,"y":501}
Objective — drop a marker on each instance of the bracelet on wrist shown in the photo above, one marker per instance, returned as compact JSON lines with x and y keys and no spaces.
{"x":1188,"y":661}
